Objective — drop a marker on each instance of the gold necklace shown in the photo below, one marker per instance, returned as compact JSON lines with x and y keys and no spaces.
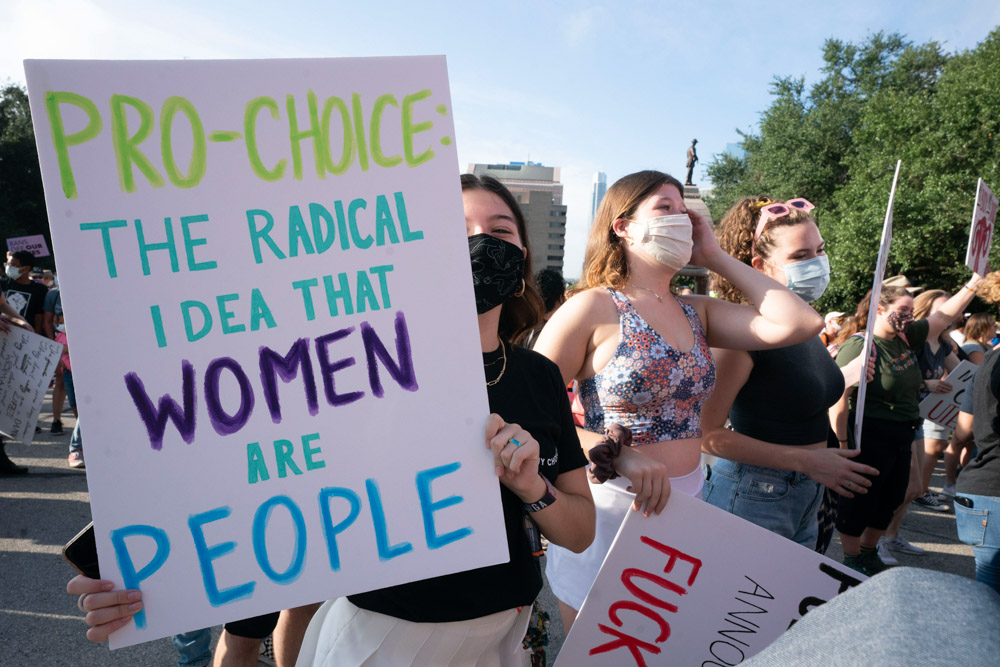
{"x":658,"y":297}
{"x":503,"y":351}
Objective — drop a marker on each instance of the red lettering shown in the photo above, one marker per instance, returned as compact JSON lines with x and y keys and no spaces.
{"x":674,"y":555}
{"x":645,"y":611}
{"x":632,"y":573}
{"x":634,"y":646}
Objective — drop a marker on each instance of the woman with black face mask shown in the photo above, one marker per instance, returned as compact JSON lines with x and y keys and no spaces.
{"x":478,"y":617}
{"x":891,"y":414}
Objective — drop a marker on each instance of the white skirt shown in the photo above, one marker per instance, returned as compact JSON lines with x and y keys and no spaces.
{"x":342,"y":634}
{"x":571,"y":574}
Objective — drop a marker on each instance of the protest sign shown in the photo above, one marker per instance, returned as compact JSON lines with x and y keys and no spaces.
{"x":883,"y":258}
{"x":984,"y":216}
{"x":943,"y":409}
{"x":696,"y":585}
{"x":289,"y":402}
{"x":35,"y":244}
{"x":27,"y":364}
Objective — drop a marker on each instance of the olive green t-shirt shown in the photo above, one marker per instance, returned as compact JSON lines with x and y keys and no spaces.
{"x":894,"y":393}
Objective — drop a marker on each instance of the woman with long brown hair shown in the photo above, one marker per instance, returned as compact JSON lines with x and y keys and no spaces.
{"x":641,"y":356}
{"x":891,"y":412}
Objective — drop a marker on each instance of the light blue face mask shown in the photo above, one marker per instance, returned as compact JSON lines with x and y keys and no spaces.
{"x":808,"y":278}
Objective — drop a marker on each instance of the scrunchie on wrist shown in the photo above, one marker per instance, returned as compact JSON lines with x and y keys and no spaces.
{"x":604,"y":453}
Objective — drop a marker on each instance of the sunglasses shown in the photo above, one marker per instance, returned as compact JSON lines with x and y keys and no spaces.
{"x":779,"y":210}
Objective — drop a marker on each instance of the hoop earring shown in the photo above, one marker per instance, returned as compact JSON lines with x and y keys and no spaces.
{"x":520,"y":292}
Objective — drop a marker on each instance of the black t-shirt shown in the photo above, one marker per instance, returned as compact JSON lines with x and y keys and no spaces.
{"x":786,"y":398}
{"x":982,"y":476}
{"x":27,"y":299}
{"x":531,"y":394}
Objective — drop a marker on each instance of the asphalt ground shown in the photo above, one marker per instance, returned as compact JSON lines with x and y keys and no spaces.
{"x":39,"y":512}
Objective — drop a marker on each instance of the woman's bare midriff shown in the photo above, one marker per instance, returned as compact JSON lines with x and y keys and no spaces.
{"x":680,"y":456}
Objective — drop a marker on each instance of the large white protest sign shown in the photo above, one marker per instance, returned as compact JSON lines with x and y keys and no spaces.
{"x":267,"y":286}
{"x":943,"y":409}
{"x":27,"y":363}
{"x":883,"y":259}
{"x":34,"y":244}
{"x":697,"y":586}
{"x":984,"y":216}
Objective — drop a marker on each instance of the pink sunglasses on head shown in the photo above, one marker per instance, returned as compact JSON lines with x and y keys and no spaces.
{"x":777,"y":210}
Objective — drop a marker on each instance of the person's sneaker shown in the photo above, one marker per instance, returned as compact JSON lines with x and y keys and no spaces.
{"x":57,"y":428}
{"x":899,"y":544}
{"x":929,"y":501}
{"x":871,"y":562}
{"x":947,"y":492}
{"x":76,"y":460}
{"x":884,"y":554}
{"x":856,"y":564}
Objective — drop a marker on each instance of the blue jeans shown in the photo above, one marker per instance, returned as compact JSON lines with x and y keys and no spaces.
{"x":193,"y":648}
{"x":979,"y":526}
{"x":76,"y":440}
{"x":782,"y":501}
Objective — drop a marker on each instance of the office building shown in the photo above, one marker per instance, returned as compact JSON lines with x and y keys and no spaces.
{"x":539,"y":192}
{"x":600,"y":187}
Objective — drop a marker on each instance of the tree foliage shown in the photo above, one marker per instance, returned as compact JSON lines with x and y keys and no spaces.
{"x":837,"y":145}
{"x":22,"y":203}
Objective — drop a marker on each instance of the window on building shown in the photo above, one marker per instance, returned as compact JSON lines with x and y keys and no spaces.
{"x":555,"y":258}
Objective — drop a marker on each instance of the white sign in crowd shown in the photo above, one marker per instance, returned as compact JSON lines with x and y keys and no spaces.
{"x":943,"y":409}
{"x":27,"y":363}
{"x":268,"y":292}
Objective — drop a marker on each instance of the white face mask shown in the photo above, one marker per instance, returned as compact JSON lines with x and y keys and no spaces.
{"x":60,"y":328}
{"x":666,"y":238}
{"x":13,"y":272}
{"x":808,"y":278}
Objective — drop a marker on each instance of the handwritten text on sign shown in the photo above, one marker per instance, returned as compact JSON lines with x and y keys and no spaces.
{"x":984,"y":218}
{"x":697,"y":586}
{"x":27,"y":364}
{"x":268,"y":232}
{"x":943,"y":409}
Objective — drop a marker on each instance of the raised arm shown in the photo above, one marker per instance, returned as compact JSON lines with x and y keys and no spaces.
{"x":778,"y":317}
{"x":952,"y":308}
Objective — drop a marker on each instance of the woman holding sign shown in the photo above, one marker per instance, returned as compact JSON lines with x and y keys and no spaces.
{"x":641,"y":356}
{"x":775,"y":461}
{"x":891,"y":412}
{"x":476,"y":617}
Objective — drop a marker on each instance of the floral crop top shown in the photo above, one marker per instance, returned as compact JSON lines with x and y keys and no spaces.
{"x":649,"y":386}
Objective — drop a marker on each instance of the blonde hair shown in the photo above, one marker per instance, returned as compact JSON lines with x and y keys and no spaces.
{"x":735,"y":234}
{"x":989,"y":289}
{"x":605,"y":263}
{"x":923,"y":302}
{"x":979,"y":326}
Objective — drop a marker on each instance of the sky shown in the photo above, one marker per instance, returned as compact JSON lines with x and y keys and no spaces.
{"x":584,"y":86}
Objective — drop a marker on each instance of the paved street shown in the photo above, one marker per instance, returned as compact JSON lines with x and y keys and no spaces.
{"x":41,"y":511}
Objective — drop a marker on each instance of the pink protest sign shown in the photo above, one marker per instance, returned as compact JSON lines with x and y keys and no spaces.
{"x":981,"y":233}
{"x":36,"y":245}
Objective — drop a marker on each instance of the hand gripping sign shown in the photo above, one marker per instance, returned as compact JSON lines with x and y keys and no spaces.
{"x":268,"y":286}
{"x":883,"y":258}
{"x":981,"y":233}
{"x":696,"y":585}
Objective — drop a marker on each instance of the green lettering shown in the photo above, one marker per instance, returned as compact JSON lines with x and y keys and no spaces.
{"x":409,"y":129}
{"x":362,"y":242}
{"x":197,"y":165}
{"x":106,"y":228}
{"x":305,"y":286}
{"x":310,"y":452}
{"x":186,"y":307}
{"x":359,"y":131}
{"x":295,"y":136}
{"x":126,"y":147}
{"x":62,"y":141}
{"x":365,"y":294}
{"x":225,"y":315}
{"x":347,"y":147}
{"x":191,"y":243}
{"x":256,"y":468}
{"x":256,"y":235}
{"x":250,"y":132}
{"x":297,"y":233}
{"x":259,"y":310}
{"x":375,"y":132}
{"x":384,"y":222}
{"x":283,"y":450}
{"x":168,"y":245}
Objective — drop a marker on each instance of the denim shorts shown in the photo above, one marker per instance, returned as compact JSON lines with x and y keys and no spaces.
{"x":932,"y":431}
{"x":70,"y":391}
{"x":782,"y":501}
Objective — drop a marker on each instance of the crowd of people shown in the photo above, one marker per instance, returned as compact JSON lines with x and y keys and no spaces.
{"x":627,"y":385}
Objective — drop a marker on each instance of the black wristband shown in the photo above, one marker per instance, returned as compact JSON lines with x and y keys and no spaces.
{"x":544,"y":501}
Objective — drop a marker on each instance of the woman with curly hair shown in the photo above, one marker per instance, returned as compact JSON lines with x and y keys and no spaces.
{"x":774,"y":463}
{"x":891,"y":412}
{"x":641,"y":356}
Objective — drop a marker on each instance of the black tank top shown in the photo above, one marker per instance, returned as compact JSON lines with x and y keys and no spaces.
{"x":786,"y":398}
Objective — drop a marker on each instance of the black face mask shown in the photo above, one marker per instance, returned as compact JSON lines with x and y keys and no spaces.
{"x":497,"y":270}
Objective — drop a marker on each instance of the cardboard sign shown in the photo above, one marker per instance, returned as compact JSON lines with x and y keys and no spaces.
{"x":883,"y":259}
{"x":984,"y":216}
{"x":267,"y":285}
{"x":943,"y":409}
{"x":697,"y":586}
{"x":35,"y":244}
{"x":27,"y":364}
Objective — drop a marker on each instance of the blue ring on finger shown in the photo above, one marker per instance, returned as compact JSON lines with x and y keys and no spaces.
{"x":516,"y":442}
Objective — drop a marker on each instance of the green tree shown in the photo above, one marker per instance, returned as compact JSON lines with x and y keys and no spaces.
{"x":22,"y":201}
